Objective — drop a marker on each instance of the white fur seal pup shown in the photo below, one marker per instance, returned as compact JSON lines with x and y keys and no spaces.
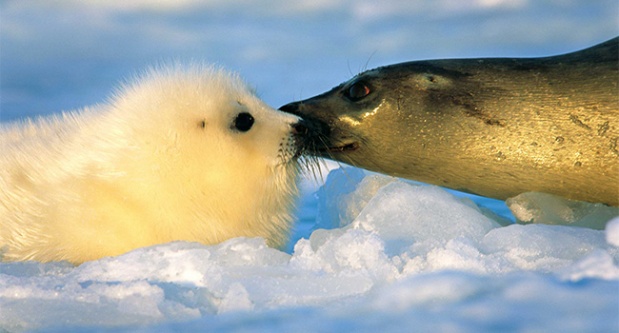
{"x":184,"y":153}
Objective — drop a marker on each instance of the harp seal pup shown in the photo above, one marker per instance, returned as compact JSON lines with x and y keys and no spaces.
{"x":183,"y":153}
{"x":497,"y":127}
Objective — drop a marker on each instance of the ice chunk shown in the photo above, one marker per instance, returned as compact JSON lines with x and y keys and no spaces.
{"x":598,"y":264}
{"x":535,"y":207}
{"x":403,"y":214}
{"x":344,"y":195}
{"x":235,"y":299}
{"x":612,"y":232}
{"x":457,"y":254}
{"x":349,"y":251}
{"x":541,"y":247}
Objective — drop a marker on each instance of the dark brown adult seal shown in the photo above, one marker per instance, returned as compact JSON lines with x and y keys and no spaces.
{"x":496,"y":127}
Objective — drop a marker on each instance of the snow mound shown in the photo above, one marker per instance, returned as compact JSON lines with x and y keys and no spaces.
{"x":390,"y":254}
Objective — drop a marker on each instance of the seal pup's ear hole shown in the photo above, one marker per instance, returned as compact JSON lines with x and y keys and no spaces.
{"x":202,"y":124}
{"x":243,"y":122}
{"x":357,"y":91}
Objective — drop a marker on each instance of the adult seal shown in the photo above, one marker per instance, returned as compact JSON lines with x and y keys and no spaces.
{"x":496,"y":127}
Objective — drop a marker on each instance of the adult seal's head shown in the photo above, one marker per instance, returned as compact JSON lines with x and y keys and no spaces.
{"x":495,"y":127}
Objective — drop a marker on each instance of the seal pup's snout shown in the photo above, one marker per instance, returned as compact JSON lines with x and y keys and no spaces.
{"x":306,"y":137}
{"x":300,"y":128}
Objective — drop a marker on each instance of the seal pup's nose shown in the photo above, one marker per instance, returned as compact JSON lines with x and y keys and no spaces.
{"x":300,"y":128}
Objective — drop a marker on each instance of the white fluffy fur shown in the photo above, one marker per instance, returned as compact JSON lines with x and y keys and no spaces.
{"x":161,"y":162}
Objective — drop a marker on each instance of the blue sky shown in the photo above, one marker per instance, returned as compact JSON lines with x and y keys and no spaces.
{"x":63,"y":55}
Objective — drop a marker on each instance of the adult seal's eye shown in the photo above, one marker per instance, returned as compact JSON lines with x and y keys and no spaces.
{"x":357,"y":91}
{"x":243,"y":122}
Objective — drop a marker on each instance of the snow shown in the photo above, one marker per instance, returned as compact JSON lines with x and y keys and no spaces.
{"x":403,"y":255}
{"x":369,"y":253}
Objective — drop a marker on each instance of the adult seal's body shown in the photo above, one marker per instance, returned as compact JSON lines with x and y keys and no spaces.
{"x":495,"y":127}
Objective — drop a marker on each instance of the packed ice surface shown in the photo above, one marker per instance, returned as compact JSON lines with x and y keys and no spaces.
{"x":390,"y":255}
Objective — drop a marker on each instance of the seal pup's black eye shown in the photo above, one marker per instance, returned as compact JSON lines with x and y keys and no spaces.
{"x":243,"y":122}
{"x":357,"y":91}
